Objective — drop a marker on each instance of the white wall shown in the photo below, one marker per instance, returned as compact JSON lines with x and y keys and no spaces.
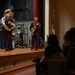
{"x":46,"y":19}
{"x":65,"y":16}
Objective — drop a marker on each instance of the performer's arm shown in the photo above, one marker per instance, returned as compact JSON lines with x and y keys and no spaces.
{"x":3,"y":20}
{"x":13,"y":20}
{"x":31,"y":26}
{"x":38,"y":26}
{"x":13,"y":25}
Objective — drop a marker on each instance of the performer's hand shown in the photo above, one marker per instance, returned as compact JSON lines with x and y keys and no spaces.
{"x":13,"y":20}
{"x":9,"y":22}
{"x":12,"y":28}
{"x":13,"y":25}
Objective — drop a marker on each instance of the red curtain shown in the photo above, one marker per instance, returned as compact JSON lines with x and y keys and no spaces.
{"x":36,"y":10}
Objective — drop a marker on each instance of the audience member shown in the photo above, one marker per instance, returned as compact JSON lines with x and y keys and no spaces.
{"x":1,"y":36}
{"x":69,"y":41}
{"x":51,"y":50}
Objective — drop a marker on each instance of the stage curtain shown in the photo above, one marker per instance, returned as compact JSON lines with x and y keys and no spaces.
{"x":36,"y":13}
{"x":36,"y":10}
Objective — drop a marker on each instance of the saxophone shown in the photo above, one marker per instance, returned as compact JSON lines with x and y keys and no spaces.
{"x":33,"y":29}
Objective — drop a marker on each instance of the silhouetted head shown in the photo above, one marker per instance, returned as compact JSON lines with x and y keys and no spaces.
{"x":67,"y":36}
{"x":52,"y":40}
{"x":70,"y":35}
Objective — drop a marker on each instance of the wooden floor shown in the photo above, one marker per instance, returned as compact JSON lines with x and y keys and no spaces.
{"x":18,"y":51}
{"x":18,"y":58}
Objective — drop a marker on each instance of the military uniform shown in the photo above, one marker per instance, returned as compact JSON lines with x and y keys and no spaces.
{"x":1,"y":37}
{"x":35,"y":35}
{"x":8,"y":36}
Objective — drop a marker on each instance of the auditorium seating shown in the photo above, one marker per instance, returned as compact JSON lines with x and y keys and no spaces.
{"x":72,"y":73}
{"x":54,"y":68}
{"x":70,"y":60}
{"x":69,"y":65}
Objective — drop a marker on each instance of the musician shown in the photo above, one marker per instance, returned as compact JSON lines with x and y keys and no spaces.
{"x":2,"y":22}
{"x":8,"y":27}
{"x":3,"y":18}
{"x":34,"y":28}
{"x":1,"y":36}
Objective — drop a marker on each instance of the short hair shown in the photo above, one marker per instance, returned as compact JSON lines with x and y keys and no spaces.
{"x":70,"y":35}
{"x":67,"y":36}
{"x":52,"y":40}
{"x":36,"y":17}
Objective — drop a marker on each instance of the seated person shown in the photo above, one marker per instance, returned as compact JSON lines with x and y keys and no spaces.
{"x":69,"y":41}
{"x":51,"y":50}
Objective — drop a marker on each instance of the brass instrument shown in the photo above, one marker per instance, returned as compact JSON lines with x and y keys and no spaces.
{"x":9,"y":14}
{"x":6,"y":28}
{"x":33,"y":29}
{"x":13,"y":33}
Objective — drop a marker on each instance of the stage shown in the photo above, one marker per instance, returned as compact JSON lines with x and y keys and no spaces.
{"x":17,"y":58}
{"x":19,"y":51}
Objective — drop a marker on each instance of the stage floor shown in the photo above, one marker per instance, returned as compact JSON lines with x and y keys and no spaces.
{"x":18,"y":58}
{"x":18,"y":51}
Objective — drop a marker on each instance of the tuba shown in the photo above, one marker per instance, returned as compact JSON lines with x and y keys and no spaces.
{"x":10,"y":22}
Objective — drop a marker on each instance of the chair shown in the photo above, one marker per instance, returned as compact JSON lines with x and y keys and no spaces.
{"x":54,"y":67}
{"x":72,"y":73}
{"x":70,"y":60}
{"x":42,"y":42}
